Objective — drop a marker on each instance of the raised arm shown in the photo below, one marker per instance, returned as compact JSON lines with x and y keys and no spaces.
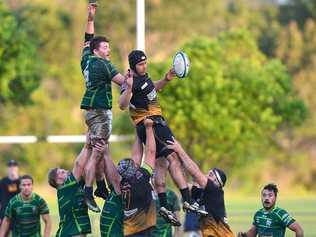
{"x":137,"y":151}
{"x":159,"y":85}
{"x":188,"y":163}
{"x":111,"y":173}
{"x":48,"y":224}
{"x":5,"y":226}
{"x":127,"y":94}
{"x":297,"y":229}
{"x":81,"y":161}
{"x":92,"y":7}
{"x":150,"y":148}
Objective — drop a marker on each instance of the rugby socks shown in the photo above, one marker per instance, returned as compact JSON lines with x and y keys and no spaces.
{"x":88,"y":191}
{"x":196,"y":193}
{"x":163,"y":200}
{"x":101,"y":185}
{"x":185,"y":193}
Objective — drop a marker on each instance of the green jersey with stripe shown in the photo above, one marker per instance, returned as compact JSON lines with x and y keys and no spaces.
{"x":163,"y":228}
{"x":25,"y":215}
{"x":73,"y":212}
{"x":111,"y":222}
{"x":98,"y":74}
{"x":272,"y":223}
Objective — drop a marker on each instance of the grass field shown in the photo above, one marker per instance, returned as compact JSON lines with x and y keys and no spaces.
{"x":240,"y":212}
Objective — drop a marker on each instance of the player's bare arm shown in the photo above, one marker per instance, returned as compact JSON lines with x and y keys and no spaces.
{"x":4,"y":226}
{"x":127,"y":93}
{"x":92,"y":8}
{"x":150,"y":148}
{"x":297,"y":229}
{"x":47,"y":225}
{"x":111,"y":172}
{"x":137,"y":151}
{"x":159,"y":85}
{"x":188,"y":163}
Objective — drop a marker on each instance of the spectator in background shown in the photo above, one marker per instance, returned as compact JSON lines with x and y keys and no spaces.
{"x":9,"y":187}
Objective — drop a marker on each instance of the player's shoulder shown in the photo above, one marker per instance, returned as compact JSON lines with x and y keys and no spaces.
{"x":259,"y":212}
{"x":37,"y":197}
{"x":15,"y":199}
{"x":278,"y":210}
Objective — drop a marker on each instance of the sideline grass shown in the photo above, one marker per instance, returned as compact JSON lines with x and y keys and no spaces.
{"x":240,"y":212}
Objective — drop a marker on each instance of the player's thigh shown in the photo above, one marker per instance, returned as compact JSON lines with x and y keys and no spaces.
{"x":99,"y":123}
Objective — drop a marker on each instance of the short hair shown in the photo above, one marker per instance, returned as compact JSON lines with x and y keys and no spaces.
{"x":52,"y":175}
{"x":271,"y":187}
{"x":27,"y":176}
{"x":95,"y":42}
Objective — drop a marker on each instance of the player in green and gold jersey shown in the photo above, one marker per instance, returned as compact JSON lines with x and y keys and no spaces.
{"x":99,"y":73}
{"x":271,"y":221}
{"x":23,"y":212}
{"x":73,"y":212}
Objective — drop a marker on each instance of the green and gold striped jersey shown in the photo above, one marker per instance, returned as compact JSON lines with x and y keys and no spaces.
{"x":272,"y":223}
{"x":111,"y":221}
{"x":98,"y":74}
{"x":73,"y":212}
{"x":25,"y":215}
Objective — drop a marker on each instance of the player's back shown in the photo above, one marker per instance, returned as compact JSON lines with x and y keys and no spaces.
{"x":139,"y":206}
{"x":73,"y":213}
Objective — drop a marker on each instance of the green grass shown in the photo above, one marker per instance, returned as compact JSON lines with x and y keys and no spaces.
{"x":240,"y":212}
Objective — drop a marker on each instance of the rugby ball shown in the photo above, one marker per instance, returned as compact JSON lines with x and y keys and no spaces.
{"x":181,"y":64}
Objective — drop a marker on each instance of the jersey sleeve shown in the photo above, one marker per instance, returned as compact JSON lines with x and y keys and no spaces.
{"x":254,"y":219}
{"x":86,"y":53}
{"x":43,"y":208}
{"x":9,"y":210}
{"x":285,"y":218}
{"x":113,"y":70}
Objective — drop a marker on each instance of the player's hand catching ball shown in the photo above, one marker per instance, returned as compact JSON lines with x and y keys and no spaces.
{"x":170,"y":74}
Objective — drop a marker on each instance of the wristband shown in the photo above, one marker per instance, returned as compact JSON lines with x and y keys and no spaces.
{"x":88,"y":37}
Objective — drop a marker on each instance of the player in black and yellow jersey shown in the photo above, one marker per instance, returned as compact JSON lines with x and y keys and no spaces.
{"x":133,"y":183}
{"x":24,"y":211}
{"x":73,"y":212}
{"x":215,"y":223}
{"x":140,"y":95}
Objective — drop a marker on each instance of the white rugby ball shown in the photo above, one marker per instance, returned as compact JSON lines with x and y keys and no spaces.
{"x":181,"y":64}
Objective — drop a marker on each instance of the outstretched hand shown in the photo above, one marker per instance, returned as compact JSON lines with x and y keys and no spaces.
{"x":174,"y":145}
{"x":100,"y":146}
{"x":92,"y":8}
{"x":128,"y":79}
{"x":170,"y":74}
